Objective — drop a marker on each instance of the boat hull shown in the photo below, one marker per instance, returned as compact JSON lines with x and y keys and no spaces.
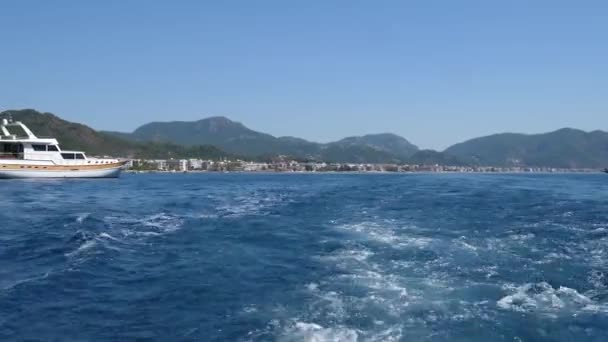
{"x":112,"y":171}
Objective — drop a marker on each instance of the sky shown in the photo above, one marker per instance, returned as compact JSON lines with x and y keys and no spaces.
{"x":435,"y":72}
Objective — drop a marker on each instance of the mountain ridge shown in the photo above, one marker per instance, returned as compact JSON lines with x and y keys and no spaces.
{"x":563,"y":148}
{"x":234,"y":137}
{"x":224,"y":138}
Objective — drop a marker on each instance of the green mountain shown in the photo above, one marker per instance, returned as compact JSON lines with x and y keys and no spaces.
{"x":234,"y":137}
{"x":564,"y":148}
{"x":74,"y":136}
{"x":387,"y":142}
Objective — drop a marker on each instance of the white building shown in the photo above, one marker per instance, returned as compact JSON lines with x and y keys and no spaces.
{"x":161,"y":164}
{"x":195,"y":164}
{"x":177,"y":164}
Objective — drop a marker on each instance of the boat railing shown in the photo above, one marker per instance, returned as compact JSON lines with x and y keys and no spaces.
{"x":13,"y":137}
{"x":22,"y":137}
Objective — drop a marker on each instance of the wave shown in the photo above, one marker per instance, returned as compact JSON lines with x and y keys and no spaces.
{"x":150,"y":225}
{"x":119,"y":231}
{"x":254,"y":203}
{"x":544,"y":299}
{"x":363,"y":285}
{"x":386,"y":232}
{"x":311,"y":332}
{"x":81,"y":217}
{"x":164,"y":223}
{"x":82,"y":248}
{"x":21,"y":282}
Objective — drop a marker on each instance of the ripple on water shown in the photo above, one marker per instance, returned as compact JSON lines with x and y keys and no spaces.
{"x":115,"y":232}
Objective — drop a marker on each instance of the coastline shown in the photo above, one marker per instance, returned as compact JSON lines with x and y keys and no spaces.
{"x":267,"y":172}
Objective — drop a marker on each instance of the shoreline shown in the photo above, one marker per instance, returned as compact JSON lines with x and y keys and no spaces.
{"x":369,"y":172}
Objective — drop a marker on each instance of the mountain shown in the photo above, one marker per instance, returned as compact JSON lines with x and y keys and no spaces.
{"x":74,"y":136}
{"x":387,"y":142}
{"x":236,"y":138}
{"x":564,"y":148}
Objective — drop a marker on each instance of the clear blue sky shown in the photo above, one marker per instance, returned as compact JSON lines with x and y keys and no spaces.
{"x":436,"y":72}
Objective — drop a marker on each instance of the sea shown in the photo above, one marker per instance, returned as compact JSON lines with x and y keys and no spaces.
{"x":305,"y":257}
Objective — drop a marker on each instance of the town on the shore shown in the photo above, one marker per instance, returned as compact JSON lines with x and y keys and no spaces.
{"x":281,"y":164}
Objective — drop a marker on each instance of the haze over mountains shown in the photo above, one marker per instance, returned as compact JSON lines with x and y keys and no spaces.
{"x":217,"y":137}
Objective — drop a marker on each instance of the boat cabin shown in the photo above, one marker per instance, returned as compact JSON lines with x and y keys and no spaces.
{"x":26,"y":145}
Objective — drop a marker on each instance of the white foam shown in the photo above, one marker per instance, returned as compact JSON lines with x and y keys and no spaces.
{"x":522,"y":237}
{"x":332,"y":302}
{"x":342,"y":257}
{"x":372,"y":231}
{"x":311,"y":332}
{"x":85,"y":246}
{"x":152,"y":225}
{"x":385,"y":232}
{"x":552,"y":257}
{"x":415,"y":242}
{"x":105,"y":235}
{"x":250,"y":309}
{"x":568,"y":214}
{"x":163,"y":222}
{"x":312,"y":287}
{"x":543,"y":298}
{"x":81,"y":217}
{"x":466,"y":246}
{"x":127,"y":232}
{"x":598,"y":279}
{"x":254,"y":204}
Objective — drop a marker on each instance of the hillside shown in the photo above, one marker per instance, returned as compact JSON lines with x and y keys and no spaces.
{"x":74,"y":136}
{"x":564,"y":148}
{"x":389,"y":143}
{"x":236,"y":138}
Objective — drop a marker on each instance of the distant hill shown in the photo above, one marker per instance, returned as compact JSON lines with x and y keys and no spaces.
{"x":386,"y":142}
{"x":234,"y":137}
{"x":564,"y":148}
{"x":74,"y":136}
{"x":219,"y":137}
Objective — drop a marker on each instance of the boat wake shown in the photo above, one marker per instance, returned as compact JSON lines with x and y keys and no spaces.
{"x":94,"y":235}
{"x":391,"y":281}
{"x":542,"y":298}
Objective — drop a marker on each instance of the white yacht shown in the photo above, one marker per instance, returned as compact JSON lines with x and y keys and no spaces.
{"x":24,"y":155}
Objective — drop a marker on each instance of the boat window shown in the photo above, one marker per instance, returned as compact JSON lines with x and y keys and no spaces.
{"x":79,"y":156}
{"x":39,"y":148}
{"x":10,"y":150}
{"x":67,"y":155}
{"x":52,"y":148}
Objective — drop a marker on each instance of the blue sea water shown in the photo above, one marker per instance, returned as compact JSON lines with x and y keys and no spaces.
{"x":305,"y":257}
